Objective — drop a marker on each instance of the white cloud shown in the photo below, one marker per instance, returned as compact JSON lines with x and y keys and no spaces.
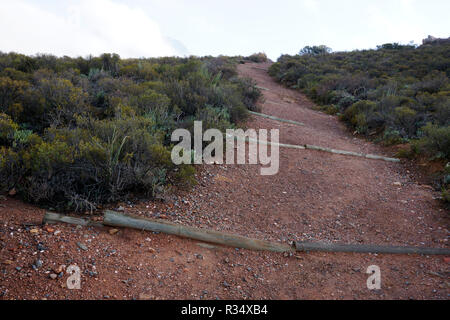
{"x":90,"y":27}
{"x":401,"y":27}
{"x":311,"y":5}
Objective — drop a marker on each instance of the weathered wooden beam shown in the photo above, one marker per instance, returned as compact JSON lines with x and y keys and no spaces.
{"x":312,"y":147}
{"x":367,"y":248}
{"x":51,"y":217}
{"x":259,"y":68}
{"x":350,"y":153}
{"x":269,"y":143}
{"x":276,"y":118}
{"x":117,"y":219}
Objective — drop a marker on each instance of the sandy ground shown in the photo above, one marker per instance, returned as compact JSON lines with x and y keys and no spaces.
{"x":315,"y":196}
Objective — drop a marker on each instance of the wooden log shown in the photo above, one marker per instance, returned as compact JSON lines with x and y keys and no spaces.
{"x":312,"y":147}
{"x":276,"y":118}
{"x":261,"y":88}
{"x":51,"y":217}
{"x":375,"y":157}
{"x":259,"y":68}
{"x":351,"y":153}
{"x":117,"y":219}
{"x":273,"y":102}
{"x":367,"y":248}
{"x":269,"y":143}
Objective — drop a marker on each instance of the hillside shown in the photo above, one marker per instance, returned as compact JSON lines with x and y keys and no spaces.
{"x":395,"y":94}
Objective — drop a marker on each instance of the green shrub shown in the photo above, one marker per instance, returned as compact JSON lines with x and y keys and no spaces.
{"x":10,"y":168}
{"x":435,"y":141}
{"x":407,"y":152}
{"x":405,"y":118}
{"x":362,"y":116}
{"x":7,"y":129}
{"x":258,"y":57}
{"x":332,"y":109}
{"x":342,"y":99}
{"x":250,"y":93}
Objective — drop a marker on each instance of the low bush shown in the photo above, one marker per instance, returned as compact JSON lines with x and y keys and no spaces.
{"x":435,"y":141}
{"x":258,"y":57}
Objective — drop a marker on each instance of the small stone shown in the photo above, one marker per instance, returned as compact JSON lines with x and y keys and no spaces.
{"x":60,"y":269}
{"x":226,"y":284}
{"x":82,"y":246}
{"x":34,"y":231}
{"x":18,"y":268}
{"x":53,"y":276}
{"x":8,"y":262}
{"x":145,"y":296}
{"x":49,"y":229}
{"x":120,"y":208}
{"x":38,"y":263}
{"x":92,"y":273}
{"x":113,"y":231}
{"x":12,"y":192}
{"x":398,"y":184}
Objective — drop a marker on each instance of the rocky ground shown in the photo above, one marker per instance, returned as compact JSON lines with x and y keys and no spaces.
{"x":315,"y":196}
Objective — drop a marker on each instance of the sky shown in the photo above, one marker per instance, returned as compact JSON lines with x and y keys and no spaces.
{"x":152,"y":28}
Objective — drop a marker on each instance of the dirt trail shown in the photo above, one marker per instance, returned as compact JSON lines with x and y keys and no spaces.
{"x":315,"y":196}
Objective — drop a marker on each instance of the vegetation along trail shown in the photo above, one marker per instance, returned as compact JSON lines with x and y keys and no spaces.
{"x":316,"y":196}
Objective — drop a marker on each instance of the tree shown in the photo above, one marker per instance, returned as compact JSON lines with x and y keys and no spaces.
{"x":315,"y":50}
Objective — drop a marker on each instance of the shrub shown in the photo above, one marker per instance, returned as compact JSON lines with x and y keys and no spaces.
{"x":363,"y":117}
{"x":258,"y":57}
{"x":332,"y":109}
{"x":392,"y":137}
{"x":342,"y":99}
{"x":315,"y":50}
{"x":10,"y":168}
{"x":435,"y":141}
{"x":7,"y":129}
{"x":405,"y":118}
{"x":250,"y":93}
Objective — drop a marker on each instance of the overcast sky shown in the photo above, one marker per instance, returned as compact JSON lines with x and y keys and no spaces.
{"x":144,"y":28}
